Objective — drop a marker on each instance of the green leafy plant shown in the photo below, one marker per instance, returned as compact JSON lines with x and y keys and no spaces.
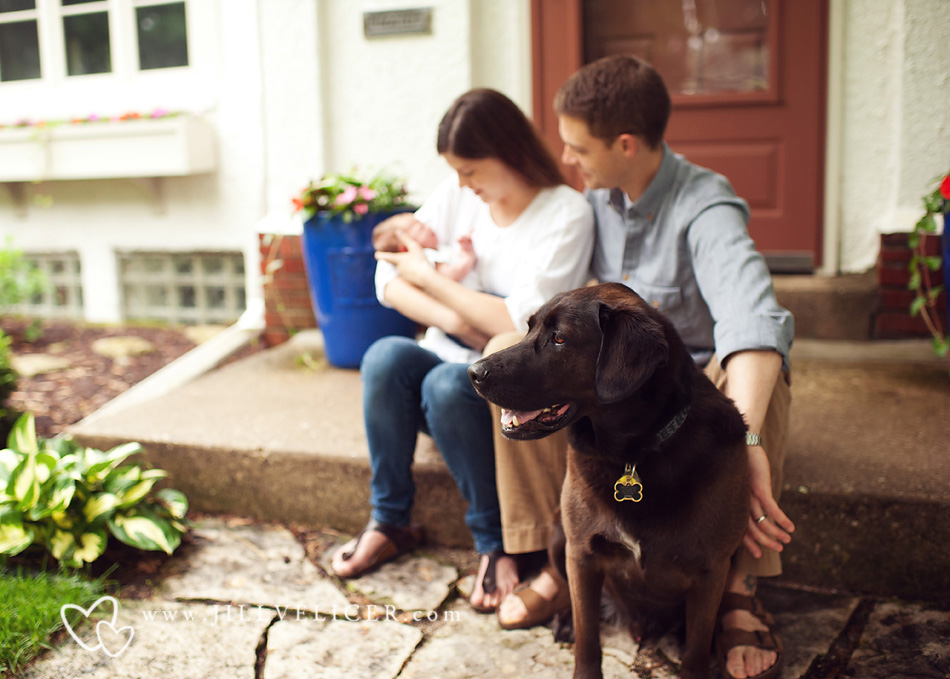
{"x":19,"y":278}
{"x":351,"y":196}
{"x":67,"y":499}
{"x":922,"y":266}
{"x":8,"y":382}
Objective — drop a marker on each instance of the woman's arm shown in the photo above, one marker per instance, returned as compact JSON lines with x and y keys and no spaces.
{"x":486,"y":313}
{"x":421,"y":307}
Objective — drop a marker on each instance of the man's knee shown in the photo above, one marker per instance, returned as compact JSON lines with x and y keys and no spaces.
{"x":503,"y":341}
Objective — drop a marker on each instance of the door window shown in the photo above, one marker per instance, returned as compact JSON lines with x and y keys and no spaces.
{"x":700,"y":47}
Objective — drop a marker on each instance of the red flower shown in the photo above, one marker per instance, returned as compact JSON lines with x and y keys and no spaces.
{"x":298,"y":205}
{"x":945,"y":187}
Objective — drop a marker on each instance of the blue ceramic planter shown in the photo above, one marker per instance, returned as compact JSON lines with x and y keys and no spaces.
{"x":340,"y":267}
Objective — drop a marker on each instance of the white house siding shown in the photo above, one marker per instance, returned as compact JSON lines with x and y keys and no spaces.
{"x":293,"y":89}
{"x":895,"y":119}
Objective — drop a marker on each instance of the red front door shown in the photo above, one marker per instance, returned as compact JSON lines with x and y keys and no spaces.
{"x":747,"y":78}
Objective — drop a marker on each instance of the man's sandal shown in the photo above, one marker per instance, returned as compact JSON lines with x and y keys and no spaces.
{"x":540,"y":610}
{"x":765,"y":640}
{"x":399,"y":541}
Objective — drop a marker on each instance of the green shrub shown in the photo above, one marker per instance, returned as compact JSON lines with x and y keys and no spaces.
{"x":67,"y":499}
{"x":8,"y":382}
{"x":19,"y":278}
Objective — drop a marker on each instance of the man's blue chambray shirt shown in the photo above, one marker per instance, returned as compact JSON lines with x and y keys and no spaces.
{"x":684,"y":247}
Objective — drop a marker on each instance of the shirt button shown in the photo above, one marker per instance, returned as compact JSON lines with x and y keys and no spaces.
{"x":656,"y":304}
{"x":650,"y":216}
{"x":626,"y":277}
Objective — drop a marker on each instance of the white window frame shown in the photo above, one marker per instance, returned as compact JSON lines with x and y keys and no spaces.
{"x":56,"y":95}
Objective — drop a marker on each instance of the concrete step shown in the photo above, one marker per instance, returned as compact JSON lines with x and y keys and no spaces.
{"x":279,"y":436}
{"x":830,"y":307}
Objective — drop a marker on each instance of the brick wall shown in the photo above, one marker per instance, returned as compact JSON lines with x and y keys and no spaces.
{"x":892,"y":319}
{"x":287,"y":306}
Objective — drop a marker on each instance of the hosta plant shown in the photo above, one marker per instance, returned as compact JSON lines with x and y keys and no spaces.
{"x":68,"y":499}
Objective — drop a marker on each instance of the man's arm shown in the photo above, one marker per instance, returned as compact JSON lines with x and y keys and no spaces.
{"x":750,"y":380}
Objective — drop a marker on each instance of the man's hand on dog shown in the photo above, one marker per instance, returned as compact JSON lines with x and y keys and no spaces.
{"x":774,"y":532}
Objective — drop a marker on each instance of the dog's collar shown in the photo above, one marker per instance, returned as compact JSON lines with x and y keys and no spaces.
{"x":673,"y":425}
{"x":630,"y":486}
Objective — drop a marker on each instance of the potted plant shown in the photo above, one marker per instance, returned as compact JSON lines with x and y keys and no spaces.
{"x":924,"y":266}
{"x":341,"y":212}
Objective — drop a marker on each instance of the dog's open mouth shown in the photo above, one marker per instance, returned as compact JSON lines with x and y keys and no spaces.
{"x":525,"y":424}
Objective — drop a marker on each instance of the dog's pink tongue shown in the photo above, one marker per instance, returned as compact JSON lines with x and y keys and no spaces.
{"x":508,"y":417}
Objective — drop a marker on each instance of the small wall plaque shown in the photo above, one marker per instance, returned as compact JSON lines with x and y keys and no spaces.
{"x":397,"y":22}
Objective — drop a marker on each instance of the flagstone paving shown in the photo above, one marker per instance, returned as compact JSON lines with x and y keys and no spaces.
{"x":243,"y":600}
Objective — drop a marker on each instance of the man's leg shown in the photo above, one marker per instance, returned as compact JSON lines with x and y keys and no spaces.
{"x":747,"y":661}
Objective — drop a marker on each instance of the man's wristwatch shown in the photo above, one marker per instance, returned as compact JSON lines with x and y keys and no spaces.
{"x":752,"y":439}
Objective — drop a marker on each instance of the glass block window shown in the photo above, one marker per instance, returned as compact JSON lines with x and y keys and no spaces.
{"x":184,"y":288}
{"x":62,"y":297}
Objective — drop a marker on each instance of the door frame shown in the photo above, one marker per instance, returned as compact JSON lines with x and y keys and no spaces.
{"x":557,"y":43}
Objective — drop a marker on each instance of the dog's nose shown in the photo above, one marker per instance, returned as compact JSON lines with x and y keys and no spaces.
{"x":478,"y":372}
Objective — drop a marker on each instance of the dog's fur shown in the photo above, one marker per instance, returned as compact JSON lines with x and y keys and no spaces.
{"x":617,"y":373}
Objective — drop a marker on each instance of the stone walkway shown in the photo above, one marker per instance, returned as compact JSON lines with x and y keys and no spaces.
{"x":244,"y":601}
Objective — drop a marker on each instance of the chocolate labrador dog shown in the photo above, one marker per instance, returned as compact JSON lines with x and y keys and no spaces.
{"x":655,"y":501}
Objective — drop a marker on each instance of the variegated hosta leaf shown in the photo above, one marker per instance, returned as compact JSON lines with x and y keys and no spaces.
{"x":61,"y":493}
{"x":99,"y":506}
{"x":8,"y":462}
{"x":145,"y":532}
{"x":25,"y":483}
{"x":174,"y":501}
{"x":14,"y":536}
{"x":23,"y":435}
{"x":112,"y":459}
{"x":91,"y":545}
{"x":136,"y":492}
{"x":121,"y":479}
{"x":61,"y":545}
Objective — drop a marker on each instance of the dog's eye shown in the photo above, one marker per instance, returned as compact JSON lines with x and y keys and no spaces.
{"x":558,"y":338}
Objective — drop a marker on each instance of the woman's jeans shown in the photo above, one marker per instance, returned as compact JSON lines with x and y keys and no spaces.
{"x":407,"y":389}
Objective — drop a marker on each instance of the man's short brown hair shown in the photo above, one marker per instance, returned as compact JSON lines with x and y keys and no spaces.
{"x":617,"y":95}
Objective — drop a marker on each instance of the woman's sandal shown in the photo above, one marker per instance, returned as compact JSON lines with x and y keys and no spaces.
{"x":488,"y":581}
{"x":399,"y":541}
{"x":728,"y":639}
{"x":540,"y":610}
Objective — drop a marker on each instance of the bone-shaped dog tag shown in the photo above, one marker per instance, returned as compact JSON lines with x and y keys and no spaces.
{"x":628,"y":486}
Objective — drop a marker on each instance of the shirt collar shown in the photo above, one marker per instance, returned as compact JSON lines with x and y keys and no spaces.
{"x":652,"y":198}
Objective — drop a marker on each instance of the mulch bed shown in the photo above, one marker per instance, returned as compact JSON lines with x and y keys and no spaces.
{"x":63,"y":397}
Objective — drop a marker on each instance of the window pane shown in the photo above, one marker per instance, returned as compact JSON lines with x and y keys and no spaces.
{"x":163,"y":38}
{"x":16,"y":5}
{"x":87,"y":43}
{"x":19,"y":51}
{"x":66,"y":3}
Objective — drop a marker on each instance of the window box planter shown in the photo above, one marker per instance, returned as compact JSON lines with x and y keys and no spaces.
{"x":160,"y":147}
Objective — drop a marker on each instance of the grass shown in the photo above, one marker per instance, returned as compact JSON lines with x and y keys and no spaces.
{"x":30,"y":603}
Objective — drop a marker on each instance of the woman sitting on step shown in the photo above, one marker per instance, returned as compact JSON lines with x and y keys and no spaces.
{"x":532,"y":237}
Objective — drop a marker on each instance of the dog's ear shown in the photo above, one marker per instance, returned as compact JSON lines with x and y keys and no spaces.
{"x":632,"y":347}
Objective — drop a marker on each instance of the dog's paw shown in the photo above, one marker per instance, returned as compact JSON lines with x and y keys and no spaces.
{"x":563,"y":627}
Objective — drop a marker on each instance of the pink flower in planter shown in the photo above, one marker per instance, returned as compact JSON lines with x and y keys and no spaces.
{"x":348,"y":196}
{"x":361,"y":208}
{"x":367,"y":193}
